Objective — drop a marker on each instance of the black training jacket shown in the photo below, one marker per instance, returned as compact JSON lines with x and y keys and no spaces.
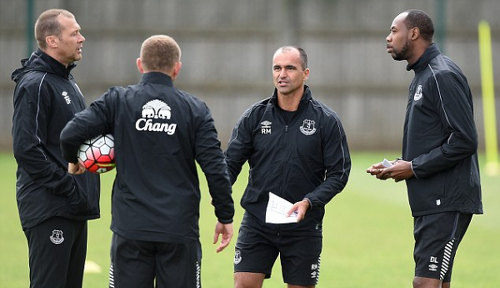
{"x":440,"y":139}
{"x":308,"y":158}
{"x":45,"y":99}
{"x":159,"y":133}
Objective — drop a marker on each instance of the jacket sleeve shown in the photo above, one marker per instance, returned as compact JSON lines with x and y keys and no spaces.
{"x":95,"y":120}
{"x":337,"y":161}
{"x":211,"y":159}
{"x":456,"y":113}
{"x":30,"y":138}
{"x":240,"y":146}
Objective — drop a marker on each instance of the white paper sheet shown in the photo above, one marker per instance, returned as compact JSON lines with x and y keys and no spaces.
{"x":386,"y":163}
{"x":277,"y":208}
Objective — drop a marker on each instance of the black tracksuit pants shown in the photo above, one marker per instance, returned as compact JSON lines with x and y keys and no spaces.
{"x":57,"y":250}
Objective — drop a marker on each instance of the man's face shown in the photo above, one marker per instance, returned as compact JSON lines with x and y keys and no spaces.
{"x":70,"y":42}
{"x":288,"y":75}
{"x":398,"y":40}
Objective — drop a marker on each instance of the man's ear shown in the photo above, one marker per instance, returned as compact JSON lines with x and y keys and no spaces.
{"x":306,"y":74}
{"x":52,"y":41}
{"x":177,"y":69}
{"x":415,"y":33}
{"x":138,"y":62}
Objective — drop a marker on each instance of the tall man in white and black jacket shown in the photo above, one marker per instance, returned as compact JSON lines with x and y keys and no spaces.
{"x":297,"y":149}
{"x":54,"y":206}
{"x":160,"y":133}
{"x":439,"y":160}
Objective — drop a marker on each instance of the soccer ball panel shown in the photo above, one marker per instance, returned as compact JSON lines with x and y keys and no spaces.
{"x":105,"y":149}
{"x":97,"y":152}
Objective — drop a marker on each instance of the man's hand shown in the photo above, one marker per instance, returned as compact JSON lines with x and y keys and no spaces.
{"x":300,"y":208}
{"x":378,"y":169}
{"x":227,"y":233}
{"x":400,"y":170}
{"x":76,"y":168}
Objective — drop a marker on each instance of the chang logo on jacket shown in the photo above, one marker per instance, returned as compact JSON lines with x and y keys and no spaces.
{"x":152,"y":118}
{"x":265,"y":127}
{"x":307,"y":127}
{"x":418,"y":93}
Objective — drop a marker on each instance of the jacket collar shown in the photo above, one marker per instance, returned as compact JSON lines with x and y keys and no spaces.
{"x":55,"y":65}
{"x":41,"y":61}
{"x":429,"y":53}
{"x":157,"y":78}
{"x":305,"y":97}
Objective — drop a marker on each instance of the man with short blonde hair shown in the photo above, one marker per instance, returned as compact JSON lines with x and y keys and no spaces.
{"x":160,"y":53}
{"x":48,"y":24}
{"x":160,"y":133}
{"x":54,"y":206}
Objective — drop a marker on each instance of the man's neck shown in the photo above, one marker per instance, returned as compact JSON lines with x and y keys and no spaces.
{"x":290,"y":102}
{"x":418,"y":52}
{"x":54,"y":55}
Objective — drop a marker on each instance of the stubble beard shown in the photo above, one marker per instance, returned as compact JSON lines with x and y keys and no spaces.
{"x":402,"y":54}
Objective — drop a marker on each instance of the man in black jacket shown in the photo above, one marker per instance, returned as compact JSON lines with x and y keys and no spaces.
{"x":296,"y":149}
{"x":159,"y":133}
{"x":54,"y":206}
{"x":439,"y":160}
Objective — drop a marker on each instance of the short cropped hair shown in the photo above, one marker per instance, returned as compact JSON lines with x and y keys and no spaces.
{"x":419,"y":19}
{"x":160,"y":53}
{"x":302,"y":52}
{"x":47,"y":24}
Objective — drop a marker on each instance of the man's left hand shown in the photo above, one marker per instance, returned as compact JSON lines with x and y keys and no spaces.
{"x":226,"y":230}
{"x":300,"y":208}
{"x":400,"y":170}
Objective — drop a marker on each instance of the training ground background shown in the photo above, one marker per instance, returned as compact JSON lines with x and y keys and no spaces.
{"x":227,"y":47}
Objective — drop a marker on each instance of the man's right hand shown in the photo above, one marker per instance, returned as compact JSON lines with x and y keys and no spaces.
{"x":76,"y":168}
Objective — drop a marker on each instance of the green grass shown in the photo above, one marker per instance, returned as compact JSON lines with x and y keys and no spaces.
{"x":367,"y":242}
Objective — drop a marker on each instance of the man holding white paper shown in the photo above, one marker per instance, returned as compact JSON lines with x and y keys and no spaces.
{"x":299,"y":160}
{"x":277,"y":210}
{"x":439,"y":162}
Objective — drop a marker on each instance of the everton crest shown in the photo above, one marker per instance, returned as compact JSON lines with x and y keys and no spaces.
{"x":57,"y":237}
{"x":307,"y":127}
{"x":418,"y":93}
{"x":237,"y":257}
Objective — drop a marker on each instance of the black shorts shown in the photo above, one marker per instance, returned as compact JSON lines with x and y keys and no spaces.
{"x":141,"y":264}
{"x":258,"y":247}
{"x":437,"y":237}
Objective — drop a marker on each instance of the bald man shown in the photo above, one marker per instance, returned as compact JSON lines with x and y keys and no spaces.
{"x":297,"y":150}
{"x":439,"y":162}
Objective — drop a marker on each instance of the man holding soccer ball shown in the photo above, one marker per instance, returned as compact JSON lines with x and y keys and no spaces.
{"x":54,"y":206}
{"x":160,"y":133}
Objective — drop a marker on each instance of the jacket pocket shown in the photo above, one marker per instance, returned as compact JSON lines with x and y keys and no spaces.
{"x":77,"y":200}
{"x":427,"y":194}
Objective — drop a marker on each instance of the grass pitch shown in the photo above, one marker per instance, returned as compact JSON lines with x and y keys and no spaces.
{"x":367,"y":239}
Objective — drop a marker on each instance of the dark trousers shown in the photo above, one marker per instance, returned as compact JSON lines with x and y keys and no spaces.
{"x":57,"y":250}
